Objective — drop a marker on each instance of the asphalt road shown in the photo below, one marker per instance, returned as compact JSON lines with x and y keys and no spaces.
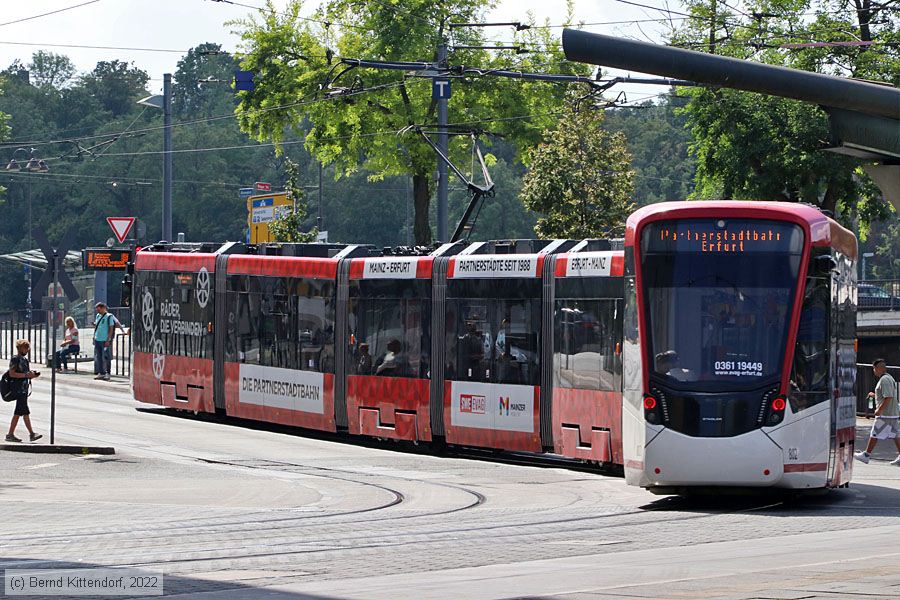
{"x":227,"y":511}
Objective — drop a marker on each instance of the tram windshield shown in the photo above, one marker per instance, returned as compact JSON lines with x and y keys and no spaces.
{"x":718,"y":296}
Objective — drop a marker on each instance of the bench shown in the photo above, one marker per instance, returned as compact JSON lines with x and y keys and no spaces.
{"x":73,"y":358}
{"x":80,"y":357}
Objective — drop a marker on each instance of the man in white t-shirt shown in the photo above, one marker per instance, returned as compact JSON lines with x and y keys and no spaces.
{"x":887,"y":415}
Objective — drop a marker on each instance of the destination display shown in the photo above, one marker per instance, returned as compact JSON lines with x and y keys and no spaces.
{"x":105,"y":259}
{"x":722,"y":236}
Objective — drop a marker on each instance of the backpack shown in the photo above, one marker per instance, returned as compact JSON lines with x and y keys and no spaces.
{"x":6,"y":388}
{"x":10,"y":388}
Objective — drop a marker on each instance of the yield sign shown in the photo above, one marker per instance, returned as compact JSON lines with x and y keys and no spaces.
{"x":120,"y":226}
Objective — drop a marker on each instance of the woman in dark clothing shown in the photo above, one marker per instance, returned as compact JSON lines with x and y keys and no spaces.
{"x":21,"y":374}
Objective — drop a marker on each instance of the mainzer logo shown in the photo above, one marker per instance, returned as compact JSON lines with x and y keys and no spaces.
{"x":506,"y":406}
{"x":472,"y":403}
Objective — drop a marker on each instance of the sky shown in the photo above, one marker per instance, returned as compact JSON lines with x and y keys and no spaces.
{"x":177,"y":25}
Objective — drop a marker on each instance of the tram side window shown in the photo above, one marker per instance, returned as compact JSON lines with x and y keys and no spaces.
{"x":392,"y":337}
{"x":587,"y":344}
{"x":142,"y":332}
{"x":283,"y":322}
{"x":494,"y":341}
{"x":809,"y":374}
{"x":168,"y":315}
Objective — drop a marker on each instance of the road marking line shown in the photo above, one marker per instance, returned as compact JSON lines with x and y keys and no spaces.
{"x":41,"y":466}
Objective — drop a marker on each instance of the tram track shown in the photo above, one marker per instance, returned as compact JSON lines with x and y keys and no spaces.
{"x":260,"y":522}
{"x":171,"y":558}
{"x":251,"y":522}
{"x":438,"y":535}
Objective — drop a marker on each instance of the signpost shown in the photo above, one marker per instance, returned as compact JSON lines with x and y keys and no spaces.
{"x":120,"y":226}
{"x":245,"y":192}
{"x":243,"y":81}
{"x":440,"y":89}
{"x":57,"y":273}
{"x":262,"y":186}
{"x":262,"y":210}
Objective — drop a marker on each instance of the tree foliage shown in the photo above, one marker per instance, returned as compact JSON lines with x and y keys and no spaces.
{"x":288,"y":228}
{"x":658,"y":143}
{"x":116,"y":85}
{"x":580,"y":179}
{"x":762,"y":147}
{"x":49,"y":70}
{"x":351,"y":116}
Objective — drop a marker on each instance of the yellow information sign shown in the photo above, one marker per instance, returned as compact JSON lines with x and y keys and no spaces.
{"x":262,"y":210}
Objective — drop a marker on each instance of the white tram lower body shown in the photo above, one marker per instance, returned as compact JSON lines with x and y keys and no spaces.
{"x":796,"y":454}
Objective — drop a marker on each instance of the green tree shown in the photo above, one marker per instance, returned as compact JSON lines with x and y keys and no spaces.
{"x":116,"y":85}
{"x":658,"y":142}
{"x":287,"y":228}
{"x":580,"y":179}
{"x":50,"y":70}
{"x":351,"y":117}
{"x":754,"y":146}
{"x":203,"y":74}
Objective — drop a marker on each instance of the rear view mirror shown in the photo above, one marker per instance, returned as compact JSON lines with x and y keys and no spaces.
{"x":825,"y":264}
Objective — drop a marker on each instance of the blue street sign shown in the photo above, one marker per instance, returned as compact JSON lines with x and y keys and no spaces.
{"x":262,"y":202}
{"x":243,"y":81}
{"x":245,"y":192}
{"x":440,"y":89}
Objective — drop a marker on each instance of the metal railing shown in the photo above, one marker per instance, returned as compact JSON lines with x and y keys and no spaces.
{"x":16,"y":325}
{"x":878,"y":294}
{"x":865,"y":383}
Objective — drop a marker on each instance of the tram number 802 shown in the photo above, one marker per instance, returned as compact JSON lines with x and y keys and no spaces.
{"x":731,"y":365}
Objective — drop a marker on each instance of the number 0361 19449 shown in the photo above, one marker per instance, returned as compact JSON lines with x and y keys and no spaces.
{"x":738,"y":365}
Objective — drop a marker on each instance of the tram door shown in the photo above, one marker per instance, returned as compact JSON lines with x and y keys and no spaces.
{"x":843,"y":370}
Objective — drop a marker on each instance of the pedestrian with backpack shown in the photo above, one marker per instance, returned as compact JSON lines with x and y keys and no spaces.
{"x":887,"y":413}
{"x":21,"y":375}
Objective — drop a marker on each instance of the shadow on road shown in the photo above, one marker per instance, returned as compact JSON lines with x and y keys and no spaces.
{"x":860,"y":499}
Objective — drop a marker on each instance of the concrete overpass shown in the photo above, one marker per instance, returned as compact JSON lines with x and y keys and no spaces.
{"x":878,"y":332}
{"x":878,"y":323}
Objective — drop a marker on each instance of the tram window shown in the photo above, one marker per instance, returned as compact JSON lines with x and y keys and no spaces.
{"x":809,"y":374}
{"x":585,"y":344}
{"x":390,"y":328}
{"x":143,"y":332}
{"x":282,"y":322}
{"x":391,"y":338}
{"x":169,"y":317}
{"x":494,"y":341}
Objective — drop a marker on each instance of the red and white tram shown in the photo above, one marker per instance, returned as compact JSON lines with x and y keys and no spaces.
{"x":504,"y":345}
{"x":717,"y":349}
{"x":739,"y":347}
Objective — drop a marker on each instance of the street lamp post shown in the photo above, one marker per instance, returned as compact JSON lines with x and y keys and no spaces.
{"x":165,"y":103}
{"x":34,"y":165}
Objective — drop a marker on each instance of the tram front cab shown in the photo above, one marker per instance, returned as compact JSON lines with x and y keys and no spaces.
{"x":739,"y":328}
